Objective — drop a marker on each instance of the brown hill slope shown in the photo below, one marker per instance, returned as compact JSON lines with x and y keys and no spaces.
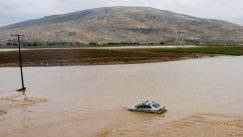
{"x":140,"y":24}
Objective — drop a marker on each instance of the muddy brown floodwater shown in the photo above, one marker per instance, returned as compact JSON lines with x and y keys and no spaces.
{"x":203,"y":97}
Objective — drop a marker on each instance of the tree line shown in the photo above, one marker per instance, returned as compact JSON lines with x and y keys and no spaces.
{"x":72,"y":43}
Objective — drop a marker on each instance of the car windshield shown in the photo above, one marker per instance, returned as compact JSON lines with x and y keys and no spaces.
{"x":156,"y":105}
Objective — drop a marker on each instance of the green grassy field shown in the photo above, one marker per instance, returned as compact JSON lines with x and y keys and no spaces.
{"x":236,"y":51}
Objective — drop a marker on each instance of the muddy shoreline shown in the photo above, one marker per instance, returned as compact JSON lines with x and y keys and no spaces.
{"x":80,"y":57}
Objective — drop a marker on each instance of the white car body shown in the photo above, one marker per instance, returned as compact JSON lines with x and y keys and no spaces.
{"x":148,"y":106}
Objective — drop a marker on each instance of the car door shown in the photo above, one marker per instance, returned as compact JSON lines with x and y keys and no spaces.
{"x":147,"y":108}
{"x":140,"y":108}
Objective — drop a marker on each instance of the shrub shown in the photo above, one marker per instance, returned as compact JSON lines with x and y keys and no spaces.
{"x":35,"y":44}
{"x":24,"y":44}
{"x":9,"y":43}
{"x":129,"y":43}
{"x":92,"y":43}
{"x":49,"y":44}
{"x":112,"y":43}
{"x":161,"y":43}
{"x":78,"y":43}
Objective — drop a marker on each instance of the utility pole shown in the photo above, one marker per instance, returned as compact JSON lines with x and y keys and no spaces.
{"x":178,"y":31}
{"x":20,"y":62}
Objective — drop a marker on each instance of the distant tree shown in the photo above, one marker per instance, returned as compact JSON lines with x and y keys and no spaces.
{"x":112,"y":43}
{"x":48,"y":43}
{"x":15,"y":44}
{"x":29,"y":44}
{"x":79,"y":44}
{"x":9,"y":43}
{"x":35,"y":44}
{"x":162,"y":43}
{"x":92,"y":43}
{"x":24,"y":44}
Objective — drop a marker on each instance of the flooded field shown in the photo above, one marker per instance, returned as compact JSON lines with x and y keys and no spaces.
{"x":203,"y":97}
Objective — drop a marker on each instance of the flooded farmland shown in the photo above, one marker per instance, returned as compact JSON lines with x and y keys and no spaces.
{"x":203,"y":97}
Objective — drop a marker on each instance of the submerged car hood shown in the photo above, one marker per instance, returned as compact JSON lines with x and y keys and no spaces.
{"x":132,"y":107}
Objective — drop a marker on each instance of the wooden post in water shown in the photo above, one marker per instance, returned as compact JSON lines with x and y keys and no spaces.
{"x":20,"y":62}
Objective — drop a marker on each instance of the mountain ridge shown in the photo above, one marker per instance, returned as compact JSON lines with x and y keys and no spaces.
{"x":140,"y":24}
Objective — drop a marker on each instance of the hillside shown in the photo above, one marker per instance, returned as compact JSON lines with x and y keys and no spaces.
{"x":122,"y":24}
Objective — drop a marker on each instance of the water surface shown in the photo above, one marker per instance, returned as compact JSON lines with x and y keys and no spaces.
{"x":111,"y":47}
{"x":203,"y":97}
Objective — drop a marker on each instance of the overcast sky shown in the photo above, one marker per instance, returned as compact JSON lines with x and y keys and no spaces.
{"x":14,"y":11}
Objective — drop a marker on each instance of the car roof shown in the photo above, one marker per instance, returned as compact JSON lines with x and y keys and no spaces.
{"x":148,"y":103}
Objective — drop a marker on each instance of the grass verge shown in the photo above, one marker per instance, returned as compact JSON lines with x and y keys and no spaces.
{"x":236,"y":51}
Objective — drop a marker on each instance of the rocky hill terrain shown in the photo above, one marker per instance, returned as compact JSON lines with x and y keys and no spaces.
{"x":122,"y":24}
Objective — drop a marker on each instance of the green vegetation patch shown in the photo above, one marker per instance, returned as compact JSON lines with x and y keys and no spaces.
{"x":236,"y":51}
{"x":221,"y":42}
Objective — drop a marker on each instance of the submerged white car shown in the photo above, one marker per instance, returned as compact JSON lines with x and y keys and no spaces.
{"x":148,"y":106}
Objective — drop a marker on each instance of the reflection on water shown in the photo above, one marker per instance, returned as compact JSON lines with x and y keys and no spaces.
{"x":200,"y":95}
{"x":12,"y":49}
{"x":116,"y":47}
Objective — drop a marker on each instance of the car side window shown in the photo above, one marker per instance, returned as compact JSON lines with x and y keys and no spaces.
{"x":140,"y":106}
{"x":147,"y":106}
